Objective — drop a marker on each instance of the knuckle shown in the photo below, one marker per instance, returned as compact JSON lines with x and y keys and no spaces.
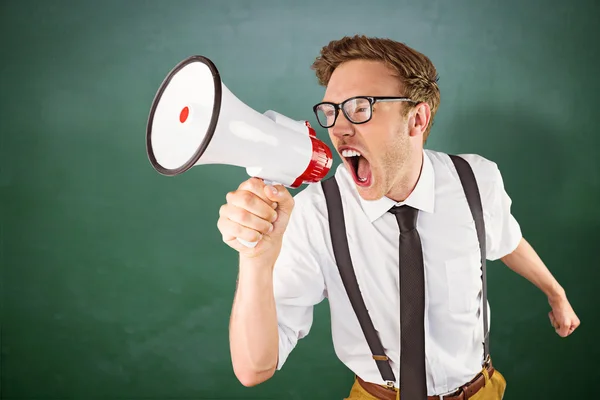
{"x":237,"y":230}
{"x":241,"y":215}
{"x":243,"y":185}
{"x":226,"y":228}
{"x":247,"y":198}
{"x":222,"y":210}
{"x":249,"y":184}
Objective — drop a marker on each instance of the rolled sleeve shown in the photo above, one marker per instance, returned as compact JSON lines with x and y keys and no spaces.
{"x":503,"y":232}
{"x":298,"y":282}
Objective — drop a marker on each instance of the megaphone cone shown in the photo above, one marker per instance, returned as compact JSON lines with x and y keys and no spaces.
{"x":195,"y":119}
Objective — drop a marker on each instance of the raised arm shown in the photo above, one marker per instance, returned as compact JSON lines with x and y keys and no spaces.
{"x":254,"y":212}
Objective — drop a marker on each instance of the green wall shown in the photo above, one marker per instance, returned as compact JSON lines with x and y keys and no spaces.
{"x":115,"y":282}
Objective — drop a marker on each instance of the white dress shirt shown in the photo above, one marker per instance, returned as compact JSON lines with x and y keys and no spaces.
{"x":306,"y":272}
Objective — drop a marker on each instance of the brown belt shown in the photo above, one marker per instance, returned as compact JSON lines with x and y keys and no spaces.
{"x":463,"y":393}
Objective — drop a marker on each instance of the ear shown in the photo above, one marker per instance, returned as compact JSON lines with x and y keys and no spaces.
{"x":419,"y":119}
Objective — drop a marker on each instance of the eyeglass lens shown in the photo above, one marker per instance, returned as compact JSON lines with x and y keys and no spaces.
{"x":356,"y":110}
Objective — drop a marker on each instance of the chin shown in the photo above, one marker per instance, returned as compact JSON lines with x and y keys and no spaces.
{"x":370,"y":193}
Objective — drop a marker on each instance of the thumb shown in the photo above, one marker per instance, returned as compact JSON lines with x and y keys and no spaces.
{"x":280,"y":195}
{"x":564,"y":329}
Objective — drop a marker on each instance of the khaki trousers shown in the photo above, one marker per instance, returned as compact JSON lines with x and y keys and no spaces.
{"x":493,"y":390}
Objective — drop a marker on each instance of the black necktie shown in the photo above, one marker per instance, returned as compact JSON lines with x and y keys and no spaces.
{"x":413,"y":384}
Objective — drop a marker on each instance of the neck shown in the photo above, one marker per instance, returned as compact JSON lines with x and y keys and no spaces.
{"x":407,"y":182}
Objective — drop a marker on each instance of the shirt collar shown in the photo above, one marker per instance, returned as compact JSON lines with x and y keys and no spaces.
{"x":421,"y":198}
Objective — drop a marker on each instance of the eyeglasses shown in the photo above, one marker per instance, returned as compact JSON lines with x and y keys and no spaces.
{"x":357,"y":110}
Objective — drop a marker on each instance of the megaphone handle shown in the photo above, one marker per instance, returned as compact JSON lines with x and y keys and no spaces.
{"x":253,"y":244}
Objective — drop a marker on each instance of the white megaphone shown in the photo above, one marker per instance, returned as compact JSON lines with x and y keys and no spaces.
{"x":196,"y":120}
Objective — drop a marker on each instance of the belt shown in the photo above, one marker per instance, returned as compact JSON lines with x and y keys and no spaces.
{"x":463,"y":393}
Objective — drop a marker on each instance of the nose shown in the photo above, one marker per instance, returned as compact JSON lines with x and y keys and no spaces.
{"x":342,"y":126}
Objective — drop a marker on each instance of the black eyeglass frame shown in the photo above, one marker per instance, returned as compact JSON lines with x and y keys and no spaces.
{"x":340,"y":106}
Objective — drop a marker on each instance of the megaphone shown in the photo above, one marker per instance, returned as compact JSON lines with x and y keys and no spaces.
{"x":196,"y":120}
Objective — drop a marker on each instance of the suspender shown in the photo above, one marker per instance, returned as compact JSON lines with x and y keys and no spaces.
{"x":341,"y":252}
{"x":471,"y":190}
{"x":342,"y":256}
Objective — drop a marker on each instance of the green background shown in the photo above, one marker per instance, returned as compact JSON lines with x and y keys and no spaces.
{"x":115,"y":282}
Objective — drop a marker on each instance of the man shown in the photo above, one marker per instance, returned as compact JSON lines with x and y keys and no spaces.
{"x":380,"y":140}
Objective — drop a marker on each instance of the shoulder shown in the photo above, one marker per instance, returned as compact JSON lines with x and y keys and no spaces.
{"x":485,"y":170}
{"x":482,"y":166}
{"x":487,"y":174}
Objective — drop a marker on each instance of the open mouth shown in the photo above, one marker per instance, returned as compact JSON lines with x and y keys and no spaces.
{"x":359,"y":166}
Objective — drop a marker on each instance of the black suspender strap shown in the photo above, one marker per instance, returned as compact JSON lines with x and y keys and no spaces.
{"x":469,"y":183}
{"x":341,"y":252}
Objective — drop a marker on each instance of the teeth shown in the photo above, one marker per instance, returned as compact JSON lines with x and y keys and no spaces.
{"x":350,"y":153}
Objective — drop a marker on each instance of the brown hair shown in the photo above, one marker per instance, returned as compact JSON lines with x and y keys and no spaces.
{"x":415,"y":71}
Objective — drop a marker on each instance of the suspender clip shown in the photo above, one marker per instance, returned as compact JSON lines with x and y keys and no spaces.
{"x":487,"y":360}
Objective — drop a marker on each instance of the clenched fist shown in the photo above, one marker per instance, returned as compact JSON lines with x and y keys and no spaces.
{"x":255,"y":212}
{"x":562,"y":317}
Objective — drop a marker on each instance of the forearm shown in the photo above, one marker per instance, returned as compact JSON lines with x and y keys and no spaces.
{"x":526,"y":262}
{"x":253,"y":332}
